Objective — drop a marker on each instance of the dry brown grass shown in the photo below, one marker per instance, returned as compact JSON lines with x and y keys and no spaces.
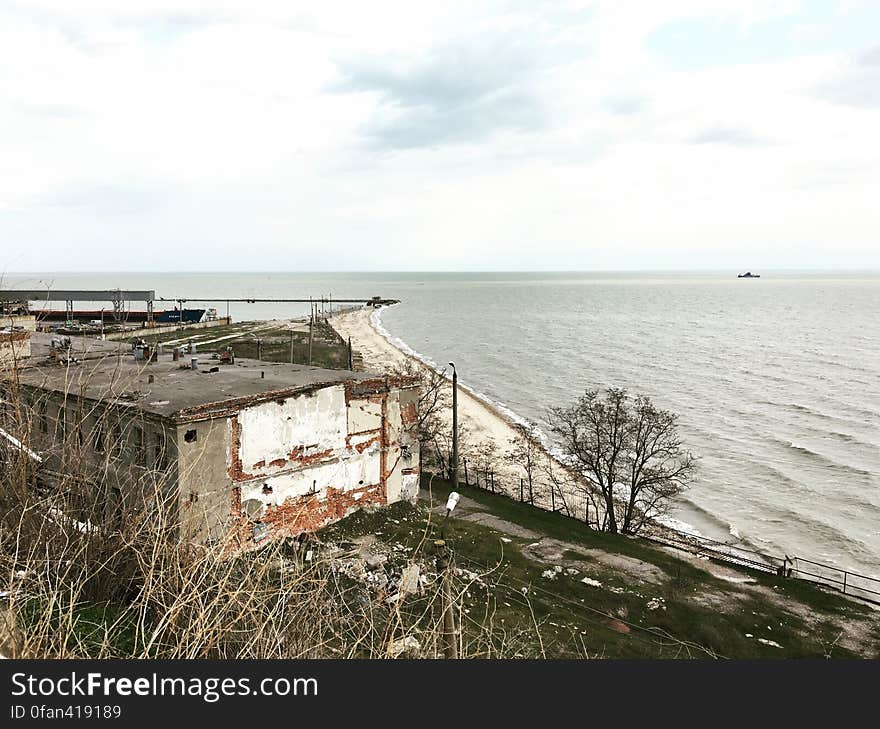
{"x":82,"y":583}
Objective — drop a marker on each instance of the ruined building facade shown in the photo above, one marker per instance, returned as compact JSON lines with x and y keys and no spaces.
{"x":242,"y":452}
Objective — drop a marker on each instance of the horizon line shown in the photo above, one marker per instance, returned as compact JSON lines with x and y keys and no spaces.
{"x":818,"y":269}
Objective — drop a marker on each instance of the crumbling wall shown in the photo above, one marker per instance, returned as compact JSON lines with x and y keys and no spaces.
{"x":347,"y":472}
{"x":298,"y":430}
{"x":306,"y":460}
{"x":409,"y":443}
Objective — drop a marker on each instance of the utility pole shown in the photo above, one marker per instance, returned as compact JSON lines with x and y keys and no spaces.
{"x":454,"y":426}
{"x":450,"y":644}
{"x":350,"y":356}
{"x":311,"y":326}
{"x":450,"y":641}
{"x":291,"y":346}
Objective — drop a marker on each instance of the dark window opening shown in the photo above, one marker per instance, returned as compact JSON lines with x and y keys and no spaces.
{"x":267,"y":489}
{"x":193,"y":497}
{"x":190,"y":436}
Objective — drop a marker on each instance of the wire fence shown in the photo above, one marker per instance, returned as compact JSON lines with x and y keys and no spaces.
{"x":842,"y":580}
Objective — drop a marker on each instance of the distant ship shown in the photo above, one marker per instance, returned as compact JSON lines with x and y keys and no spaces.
{"x":749,"y":274}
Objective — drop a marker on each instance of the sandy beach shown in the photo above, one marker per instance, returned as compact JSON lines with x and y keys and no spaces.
{"x":485,"y":423}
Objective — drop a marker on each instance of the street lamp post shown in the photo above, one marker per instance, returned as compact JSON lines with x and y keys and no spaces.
{"x":454,"y":426}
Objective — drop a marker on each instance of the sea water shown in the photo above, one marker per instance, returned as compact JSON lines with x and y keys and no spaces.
{"x":776,"y":380}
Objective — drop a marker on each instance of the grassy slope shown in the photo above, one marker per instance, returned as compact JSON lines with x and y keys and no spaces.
{"x":703,"y":614}
{"x":564,"y":617}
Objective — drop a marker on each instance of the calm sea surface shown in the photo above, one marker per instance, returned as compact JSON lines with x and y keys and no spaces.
{"x":776,"y":380}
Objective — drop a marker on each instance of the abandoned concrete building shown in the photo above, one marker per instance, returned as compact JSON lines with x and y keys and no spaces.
{"x":243,"y":451}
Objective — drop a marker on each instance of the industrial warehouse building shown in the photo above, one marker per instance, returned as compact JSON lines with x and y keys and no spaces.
{"x":244,"y":451}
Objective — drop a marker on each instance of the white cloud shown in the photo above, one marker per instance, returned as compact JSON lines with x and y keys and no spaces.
{"x":402,"y":135}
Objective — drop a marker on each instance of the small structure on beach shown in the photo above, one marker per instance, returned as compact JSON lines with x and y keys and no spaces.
{"x":244,"y":451}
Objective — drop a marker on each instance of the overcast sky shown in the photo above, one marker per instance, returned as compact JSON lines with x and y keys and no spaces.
{"x":518,"y":134}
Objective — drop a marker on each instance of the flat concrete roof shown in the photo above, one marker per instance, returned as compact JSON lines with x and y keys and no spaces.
{"x":108,"y":371}
{"x":75,"y":295}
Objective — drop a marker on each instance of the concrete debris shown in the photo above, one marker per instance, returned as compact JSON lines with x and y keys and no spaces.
{"x":377,"y":580}
{"x":592,"y":583}
{"x":656,"y":603}
{"x":549,"y":574}
{"x":374,"y":561}
{"x":407,"y":647}
{"x":571,"y":571}
{"x":409,"y":580}
{"x":618,"y":626}
{"x":353,"y":568}
{"x":773,"y":643}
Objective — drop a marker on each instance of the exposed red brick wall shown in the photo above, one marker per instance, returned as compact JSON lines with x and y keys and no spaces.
{"x":309,"y":512}
{"x":236,"y":470}
{"x":409,"y":413}
{"x":301,"y":515}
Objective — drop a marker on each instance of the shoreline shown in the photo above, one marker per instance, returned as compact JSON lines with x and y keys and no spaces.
{"x":486,"y":423}
{"x":494,"y":408}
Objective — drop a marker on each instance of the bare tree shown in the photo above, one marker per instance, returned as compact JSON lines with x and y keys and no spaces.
{"x":434,"y":396}
{"x":524,"y":453}
{"x":565,"y":484}
{"x":631,"y":450}
{"x":484,"y":458}
{"x":432,"y":418}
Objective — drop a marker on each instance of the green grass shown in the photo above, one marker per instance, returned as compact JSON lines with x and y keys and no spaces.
{"x":703,"y":614}
{"x":698,"y":615}
{"x":93,"y":626}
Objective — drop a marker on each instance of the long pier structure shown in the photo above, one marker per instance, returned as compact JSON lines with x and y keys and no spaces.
{"x":118,"y":298}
